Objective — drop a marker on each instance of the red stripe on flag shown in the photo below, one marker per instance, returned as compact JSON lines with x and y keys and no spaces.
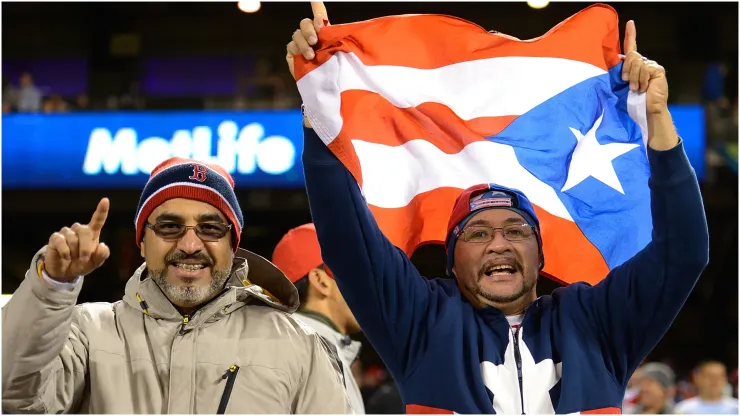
{"x":393,"y":126}
{"x":417,"y":409}
{"x":591,"y":36}
{"x":404,"y":228}
{"x":567,"y":250}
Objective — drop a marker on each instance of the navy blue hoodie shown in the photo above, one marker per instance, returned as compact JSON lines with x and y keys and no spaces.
{"x":574,"y":351}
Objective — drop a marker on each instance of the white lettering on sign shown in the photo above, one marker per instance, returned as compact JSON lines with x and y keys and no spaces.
{"x":238,"y":151}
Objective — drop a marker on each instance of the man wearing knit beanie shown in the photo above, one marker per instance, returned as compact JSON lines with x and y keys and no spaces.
{"x":204,"y":326}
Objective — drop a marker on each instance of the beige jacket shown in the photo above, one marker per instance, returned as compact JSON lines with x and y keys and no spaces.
{"x":242,"y":350}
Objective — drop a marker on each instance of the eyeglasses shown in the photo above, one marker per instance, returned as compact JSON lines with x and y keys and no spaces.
{"x":206,"y":231}
{"x":484,"y":233}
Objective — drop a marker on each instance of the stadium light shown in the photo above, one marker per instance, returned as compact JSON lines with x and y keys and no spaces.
{"x":538,"y":4}
{"x":249,"y":6}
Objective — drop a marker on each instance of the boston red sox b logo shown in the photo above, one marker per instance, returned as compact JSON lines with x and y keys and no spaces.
{"x":199,"y":173}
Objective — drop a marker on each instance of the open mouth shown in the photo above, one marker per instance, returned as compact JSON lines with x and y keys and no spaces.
{"x":499,"y":269}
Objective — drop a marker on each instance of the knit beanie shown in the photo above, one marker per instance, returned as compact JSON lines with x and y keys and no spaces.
{"x":188,"y":178}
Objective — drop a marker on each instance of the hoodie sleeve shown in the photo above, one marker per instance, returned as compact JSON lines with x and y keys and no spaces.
{"x":44,"y":351}
{"x":635,"y":305}
{"x":390,"y":299}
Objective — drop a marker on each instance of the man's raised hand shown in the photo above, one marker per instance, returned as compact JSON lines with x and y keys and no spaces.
{"x":307,"y":35}
{"x":77,"y":251}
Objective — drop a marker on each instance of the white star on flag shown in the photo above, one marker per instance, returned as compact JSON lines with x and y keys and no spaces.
{"x":590,"y":158}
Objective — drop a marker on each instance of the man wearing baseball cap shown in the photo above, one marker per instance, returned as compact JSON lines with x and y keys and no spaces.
{"x":322,"y":306}
{"x":204,"y":326}
{"x":483,"y":342}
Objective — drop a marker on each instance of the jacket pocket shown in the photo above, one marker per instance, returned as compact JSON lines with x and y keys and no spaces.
{"x":230,"y":377}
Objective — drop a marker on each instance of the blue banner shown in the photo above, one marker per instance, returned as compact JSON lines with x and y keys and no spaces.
{"x":120,"y":149}
{"x":261,"y":149}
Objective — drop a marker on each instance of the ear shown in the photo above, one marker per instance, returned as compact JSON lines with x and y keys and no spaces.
{"x":142,"y":250}
{"x":319,"y":281}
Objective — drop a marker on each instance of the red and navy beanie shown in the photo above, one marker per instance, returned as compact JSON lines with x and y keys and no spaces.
{"x":188,"y":178}
{"x":488,"y":196}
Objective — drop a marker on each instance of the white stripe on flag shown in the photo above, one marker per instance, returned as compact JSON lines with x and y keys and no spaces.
{"x":471,"y":89}
{"x":393,"y":175}
{"x":637,"y":109}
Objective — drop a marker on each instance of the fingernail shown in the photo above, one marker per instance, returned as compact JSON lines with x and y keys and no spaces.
{"x":312,"y":40}
{"x":309,"y":55}
{"x":624,"y":77}
{"x":633,"y":86}
{"x":85,"y":258}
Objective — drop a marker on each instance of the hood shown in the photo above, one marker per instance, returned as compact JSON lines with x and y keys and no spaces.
{"x":253,"y":278}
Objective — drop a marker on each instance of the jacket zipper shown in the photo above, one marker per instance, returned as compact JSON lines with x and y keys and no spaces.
{"x":185,"y":320}
{"x":230,"y":377}
{"x":518,"y":358}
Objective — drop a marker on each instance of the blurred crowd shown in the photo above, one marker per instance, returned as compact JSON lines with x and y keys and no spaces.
{"x":709,"y":389}
{"x":261,"y":88}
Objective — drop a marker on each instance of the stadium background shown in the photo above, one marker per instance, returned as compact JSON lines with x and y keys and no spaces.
{"x":163,"y":67}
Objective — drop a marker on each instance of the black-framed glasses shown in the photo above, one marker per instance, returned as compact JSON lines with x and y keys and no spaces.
{"x":206,"y":231}
{"x":484,"y":233}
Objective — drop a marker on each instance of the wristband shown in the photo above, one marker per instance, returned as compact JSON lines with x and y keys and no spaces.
{"x":54,"y":283}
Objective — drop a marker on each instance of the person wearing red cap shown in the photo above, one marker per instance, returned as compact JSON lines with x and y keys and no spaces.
{"x":322,"y":306}
{"x":483,"y":342}
{"x":204,"y":326}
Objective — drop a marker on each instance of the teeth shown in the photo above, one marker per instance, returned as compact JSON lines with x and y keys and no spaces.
{"x":190,"y":266}
{"x":501,"y":268}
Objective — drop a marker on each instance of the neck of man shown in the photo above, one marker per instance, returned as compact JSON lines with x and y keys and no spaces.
{"x":322,"y":308}
{"x":710,"y":397}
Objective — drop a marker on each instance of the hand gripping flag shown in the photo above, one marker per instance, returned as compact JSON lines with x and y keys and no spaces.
{"x":420,"y":107}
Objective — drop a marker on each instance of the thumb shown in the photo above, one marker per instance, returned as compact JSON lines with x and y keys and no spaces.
{"x":101,"y":254}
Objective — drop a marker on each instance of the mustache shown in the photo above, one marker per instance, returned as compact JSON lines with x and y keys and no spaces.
{"x":492,"y":262}
{"x":181,"y":255}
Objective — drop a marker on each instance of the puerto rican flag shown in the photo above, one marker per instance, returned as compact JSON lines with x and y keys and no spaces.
{"x":420,"y":107}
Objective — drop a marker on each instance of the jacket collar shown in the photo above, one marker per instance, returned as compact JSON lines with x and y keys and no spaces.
{"x":252,"y":278}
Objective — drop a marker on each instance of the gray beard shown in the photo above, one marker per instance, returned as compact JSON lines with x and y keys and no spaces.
{"x":190,"y":296}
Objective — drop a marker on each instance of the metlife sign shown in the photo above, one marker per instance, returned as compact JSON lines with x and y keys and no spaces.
{"x":261,"y":149}
{"x":120,"y":149}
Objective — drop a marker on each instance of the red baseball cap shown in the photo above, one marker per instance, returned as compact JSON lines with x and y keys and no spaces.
{"x":488,"y":196}
{"x":298,"y":252}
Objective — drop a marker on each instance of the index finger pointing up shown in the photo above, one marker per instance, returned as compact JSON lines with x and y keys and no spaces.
{"x":630,"y":37}
{"x":99,"y":216}
{"x":319,"y":12}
